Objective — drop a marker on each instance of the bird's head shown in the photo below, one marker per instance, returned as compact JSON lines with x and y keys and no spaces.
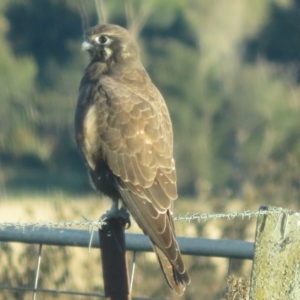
{"x":110,"y":43}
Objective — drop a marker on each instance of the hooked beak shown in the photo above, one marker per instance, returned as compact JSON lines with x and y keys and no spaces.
{"x":85,"y":46}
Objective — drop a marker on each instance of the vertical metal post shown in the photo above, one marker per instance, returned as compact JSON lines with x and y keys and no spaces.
{"x":113,"y":256}
{"x":37,"y":272}
{"x":132,"y":271}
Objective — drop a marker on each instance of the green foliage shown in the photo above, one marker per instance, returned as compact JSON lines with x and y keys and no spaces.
{"x":17,"y":82}
{"x":230,"y":116}
{"x":278,"y":39}
{"x":43,"y":29}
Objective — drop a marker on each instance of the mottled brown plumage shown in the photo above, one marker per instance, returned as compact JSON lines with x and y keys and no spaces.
{"x":124,"y":131}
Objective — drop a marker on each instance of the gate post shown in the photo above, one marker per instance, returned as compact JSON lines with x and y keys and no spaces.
{"x":276,"y":265}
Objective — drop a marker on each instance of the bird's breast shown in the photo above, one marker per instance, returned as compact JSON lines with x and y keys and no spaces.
{"x":90,"y":136}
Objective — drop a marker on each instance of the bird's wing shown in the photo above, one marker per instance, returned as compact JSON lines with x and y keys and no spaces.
{"x":137,"y":142}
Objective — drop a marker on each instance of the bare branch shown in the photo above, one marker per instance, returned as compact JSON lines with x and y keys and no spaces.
{"x":129,"y":11}
{"x":136,"y":21}
{"x":82,"y":8}
{"x":101,"y":12}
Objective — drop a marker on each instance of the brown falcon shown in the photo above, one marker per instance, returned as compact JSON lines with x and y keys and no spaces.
{"x":124,"y":131}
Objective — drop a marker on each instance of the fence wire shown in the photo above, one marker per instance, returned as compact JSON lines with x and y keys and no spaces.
{"x":188,"y":217}
{"x":66,"y":292}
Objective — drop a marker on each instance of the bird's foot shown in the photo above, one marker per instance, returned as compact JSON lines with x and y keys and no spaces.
{"x":120,"y":214}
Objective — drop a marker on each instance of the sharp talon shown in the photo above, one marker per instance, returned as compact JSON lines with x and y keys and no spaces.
{"x":125,"y":217}
{"x":127,"y":223}
{"x":121,"y":214}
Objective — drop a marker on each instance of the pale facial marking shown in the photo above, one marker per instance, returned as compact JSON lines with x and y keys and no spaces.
{"x":108,"y":53}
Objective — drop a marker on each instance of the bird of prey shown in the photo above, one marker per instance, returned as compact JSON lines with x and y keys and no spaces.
{"x":124,"y":132}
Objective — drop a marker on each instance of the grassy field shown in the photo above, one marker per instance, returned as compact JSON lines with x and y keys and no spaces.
{"x":78,"y":269}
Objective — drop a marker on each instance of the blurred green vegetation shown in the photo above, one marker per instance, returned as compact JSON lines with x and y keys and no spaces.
{"x":229,"y":72}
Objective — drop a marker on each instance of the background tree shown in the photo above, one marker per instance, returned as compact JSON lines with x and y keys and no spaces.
{"x":230,"y":84}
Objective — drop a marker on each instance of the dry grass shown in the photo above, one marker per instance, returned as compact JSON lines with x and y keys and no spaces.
{"x":237,"y":288}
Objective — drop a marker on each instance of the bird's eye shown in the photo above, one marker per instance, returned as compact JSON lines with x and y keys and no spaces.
{"x":102,"y":39}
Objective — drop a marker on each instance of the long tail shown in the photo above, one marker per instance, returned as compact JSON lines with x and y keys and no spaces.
{"x":177,"y":281}
{"x":159,"y":227}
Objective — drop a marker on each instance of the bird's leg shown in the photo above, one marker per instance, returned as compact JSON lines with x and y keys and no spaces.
{"x":116,"y":213}
{"x":125,"y":215}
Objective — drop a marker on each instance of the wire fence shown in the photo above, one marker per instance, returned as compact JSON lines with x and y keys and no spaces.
{"x":188,"y":217}
{"x":75,"y":234}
